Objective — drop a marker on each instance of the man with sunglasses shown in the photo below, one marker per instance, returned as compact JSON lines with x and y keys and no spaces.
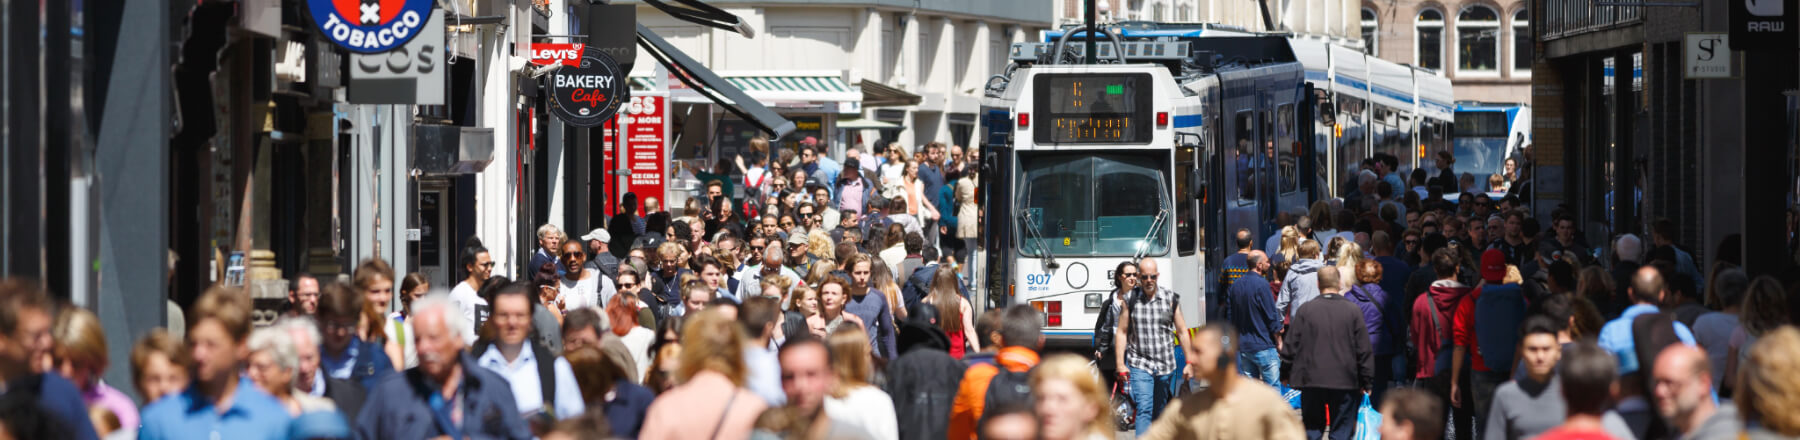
{"x":466,"y":295}
{"x":1147,"y":356}
{"x":750,"y":280}
{"x":797,"y":254}
{"x":827,"y":212}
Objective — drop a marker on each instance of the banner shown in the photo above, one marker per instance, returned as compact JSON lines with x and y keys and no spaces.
{"x":646,"y":146}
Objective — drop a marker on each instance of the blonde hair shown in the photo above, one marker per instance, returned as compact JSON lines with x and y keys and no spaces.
{"x":850,"y":362}
{"x":711,"y":341}
{"x":80,"y":339}
{"x":799,"y":293}
{"x":1766,"y":391}
{"x":1290,"y":243}
{"x":1072,"y":368}
{"x":819,"y":244}
{"x":1349,"y":254}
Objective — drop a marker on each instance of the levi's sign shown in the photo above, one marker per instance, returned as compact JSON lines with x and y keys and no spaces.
{"x":369,"y":26}
{"x":589,"y":93}
{"x":566,"y":54}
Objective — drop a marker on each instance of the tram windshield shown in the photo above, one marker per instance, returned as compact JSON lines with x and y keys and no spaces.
{"x":1092,"y":204}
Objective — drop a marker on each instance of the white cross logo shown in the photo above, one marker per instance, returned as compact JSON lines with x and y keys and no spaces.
{"x":371,"y":13}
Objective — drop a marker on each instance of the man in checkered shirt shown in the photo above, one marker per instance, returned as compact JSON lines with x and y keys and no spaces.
{"x":1147,"y":358}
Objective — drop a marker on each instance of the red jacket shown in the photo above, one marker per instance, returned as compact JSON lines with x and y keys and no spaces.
{"x":1442,"y":298}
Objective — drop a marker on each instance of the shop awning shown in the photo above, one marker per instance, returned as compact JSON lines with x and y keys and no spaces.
{"x":866,"y":124}
{"x":713,"y":87}
{"x":876,"y":94}
{"x":819,"y":87}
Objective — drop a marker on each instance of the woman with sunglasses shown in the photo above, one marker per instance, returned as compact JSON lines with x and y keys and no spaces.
{"x":1125,"y":280}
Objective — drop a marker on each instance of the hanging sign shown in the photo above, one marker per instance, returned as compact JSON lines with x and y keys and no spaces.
{"x":646,"y":141}
{"x":370,"y":26}
{"x":566,"y":54}
{"x":589,"y":94}
{"x":1763,"y":24}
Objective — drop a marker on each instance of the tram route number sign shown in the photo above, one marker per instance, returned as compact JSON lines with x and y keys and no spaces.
{"x":590,"y":93}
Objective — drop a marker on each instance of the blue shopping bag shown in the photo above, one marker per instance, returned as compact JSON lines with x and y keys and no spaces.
{"x":1368,"y":421}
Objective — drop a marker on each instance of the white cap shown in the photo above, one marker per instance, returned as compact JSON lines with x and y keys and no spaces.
{"x":598,"y":234}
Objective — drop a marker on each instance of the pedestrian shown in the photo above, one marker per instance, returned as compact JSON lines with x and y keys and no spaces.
{"x":380,"y":325}
{"x":217,"y":333}
{"x":542,"y":383}
{"x":271,"y":366}
{"x":1373,"y":301}
{"x":1767,"y":386}
{"x":1106,"y":355}
{"x":1627,"y":258}
{"x":1302,"y":283}
{"x":1684,"y":396}
{"x":853,"y":190}
{"x":1333,"y":360}
{"x":1531,"y":403}
{"x":346,"y":354}
{"x":1070,"y":402}
{"x":808,"y":381}
{"x":926,"y":374}
{"x":303,"y":295}
{"x":1446,"y":178}
{"x":1485,"y":332}
{"x":1412,"y":414}
{"x":1765,"y":309}
{"x":854,"y":401}
{"x":1431,"y":332}
{"x":665,"y":283}
{"x":405,"y":408}
{"x":711,"y":401}
{"x":1713,"y":330}
{"x":882,"y":280}
{"x":1587,"y":376}
{"x":1637,"y":351}
{"x":309,"y":377}
{"x":1148,"y":355}
{"x":581,"y":285}
{"x":81,"y":356}
{"x":957,"y":319}
{"x":1231,"y":407}
{"x":466,"y":294}
{"x":1252,"y":309}
{"x":549,"y":240}
{"x":760,"y":316}
{"x":773,"y":265}
{"x":870,"y":306}
{"x":157,"y":366}
{"x":968,"y":215}
{"x":1019,"y":337}
{"x":608,"y":388}
{"x":1234,"y":267}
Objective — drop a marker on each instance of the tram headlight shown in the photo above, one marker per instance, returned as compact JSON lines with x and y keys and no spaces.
{"x":1091,"y":300}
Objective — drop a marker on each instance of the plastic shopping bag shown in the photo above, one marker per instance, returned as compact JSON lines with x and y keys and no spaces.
{"x":1368,"y":421}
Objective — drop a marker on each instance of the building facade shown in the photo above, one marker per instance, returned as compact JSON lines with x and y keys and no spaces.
{"x":1483,"y":46}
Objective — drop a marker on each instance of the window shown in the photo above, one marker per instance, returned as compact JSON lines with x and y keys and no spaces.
{"x":1183,"y":14}
{"x":1477,"y":40}
{"x":1370,"y":33}
{"x":1429,"y":28}
{"x":1092,"y":204}
{"x":1245,"y":156}
{"x":1521,"y":33}
{"x":1288,"y":162}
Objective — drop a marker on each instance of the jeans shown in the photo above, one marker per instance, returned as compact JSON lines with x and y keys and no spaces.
{"x":1150,"y":393}
{"x":1265,"y":365}
{"x":1482,"y":385}
{"x":1342,"y":404}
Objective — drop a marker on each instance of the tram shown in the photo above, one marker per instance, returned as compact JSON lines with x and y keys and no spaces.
{"x":1150,"y":155}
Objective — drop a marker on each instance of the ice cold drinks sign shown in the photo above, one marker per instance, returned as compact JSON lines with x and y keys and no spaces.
{"x":587,"y":95}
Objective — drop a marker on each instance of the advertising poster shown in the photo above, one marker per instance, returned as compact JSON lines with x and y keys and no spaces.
{"x":646,"y":145}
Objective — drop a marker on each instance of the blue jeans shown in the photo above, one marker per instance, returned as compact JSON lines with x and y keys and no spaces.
{"x":1150,"y":393}
{"x":1265,"y":365}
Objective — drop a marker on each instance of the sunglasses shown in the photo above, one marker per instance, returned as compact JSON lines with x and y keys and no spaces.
{"x":1149,"y":277}
{"x":1411,"y":242}
{"x":489,"y":264}
{"x":1131,"y":275}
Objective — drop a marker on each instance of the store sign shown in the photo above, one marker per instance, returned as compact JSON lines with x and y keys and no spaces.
{"x":370,"y":26}
{"x":589,"y":94}
{"x":1706,"y":56}
{"x":646,"y":144}
{"x":1764,"y":24}
{"x":567,"y":54}
{"x":411,"y":74}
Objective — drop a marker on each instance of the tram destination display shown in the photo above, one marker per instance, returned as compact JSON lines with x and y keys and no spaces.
{"x":588,"y":95}
{"x":1093,"y":108}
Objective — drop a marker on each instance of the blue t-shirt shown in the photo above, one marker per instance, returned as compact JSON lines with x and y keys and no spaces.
{"x":253,"y":415}
{"x":1615,"y":337}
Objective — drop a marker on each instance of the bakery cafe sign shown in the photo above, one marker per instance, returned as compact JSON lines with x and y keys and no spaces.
{"x":587,"y":94}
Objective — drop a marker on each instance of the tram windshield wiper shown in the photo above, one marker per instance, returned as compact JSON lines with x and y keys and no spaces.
{"x":1155,"y":226}
{"x":1035,"y":236}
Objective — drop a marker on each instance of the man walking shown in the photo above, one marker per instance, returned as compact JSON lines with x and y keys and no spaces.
{"x":1148,"y":355}
{"x":1333,"y":360}
{"x":1252,"y":308}
{"x":541,"y":382}
{"x":303,"y":298}
{"x":1531,"y":403}
{"x":1430,"y":331}
{"x":549,"y":245}
{"x":25,"y":327}
{"x":600,"y":247}
{"x":216,"y":345}
{"x":448,"y":394}
{"x":1684,"y":396}
{"x":1235,"y":266}
{"x":1302,"y":282}
{"x":466,"y":295}
{"x":1636,"y":349}
{"x":1231,"y":407}
{"x":871,"y":306}
{"x":346,"y":355}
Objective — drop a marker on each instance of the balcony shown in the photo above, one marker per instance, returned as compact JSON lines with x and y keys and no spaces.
{"x":1568,"y":18}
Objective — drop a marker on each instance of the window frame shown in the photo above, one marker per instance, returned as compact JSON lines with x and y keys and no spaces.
{"x":1372,"y":27}
{"x":1441,"y":24}
{"x":1517,"y":25}
{"x":1478,"y":25}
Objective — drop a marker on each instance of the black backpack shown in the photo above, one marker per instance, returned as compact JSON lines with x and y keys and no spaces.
{"x":1008,"y":389}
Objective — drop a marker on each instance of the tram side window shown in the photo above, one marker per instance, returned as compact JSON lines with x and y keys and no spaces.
{"x":1184,"y":205}
{"x":1245,"y":159}
{"x":1288,"y":165}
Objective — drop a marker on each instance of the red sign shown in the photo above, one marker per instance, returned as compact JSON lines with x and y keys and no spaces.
{"x":646,"y":134}
{"x":567,"y":54}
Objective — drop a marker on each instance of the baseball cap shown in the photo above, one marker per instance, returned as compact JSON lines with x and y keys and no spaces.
{"x":810,"y":141}
{"x":598,"y":234}
{"x":1493,"y":266}
{"x":797,"y":235}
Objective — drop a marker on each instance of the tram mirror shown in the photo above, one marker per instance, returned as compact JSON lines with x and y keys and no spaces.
{"x":1199,"y":186}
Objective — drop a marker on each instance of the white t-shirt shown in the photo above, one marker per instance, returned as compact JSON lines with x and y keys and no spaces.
{"x":471,"y":304}
{"x":638,"y":341}
{"x":579,"y":293}
{"x":867,"y":408}
{"x":401,"y":332}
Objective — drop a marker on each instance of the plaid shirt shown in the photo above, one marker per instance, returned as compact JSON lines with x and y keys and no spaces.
{"x":1152,"y":345}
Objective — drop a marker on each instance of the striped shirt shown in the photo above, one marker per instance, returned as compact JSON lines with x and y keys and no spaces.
{"x":1151,"y":346}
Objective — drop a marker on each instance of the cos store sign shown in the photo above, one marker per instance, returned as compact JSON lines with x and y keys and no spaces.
{"x":588,"y":95}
